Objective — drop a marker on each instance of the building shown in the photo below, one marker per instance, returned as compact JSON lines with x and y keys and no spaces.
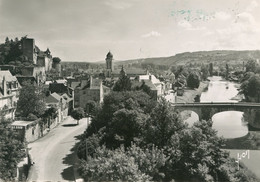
{"x":29,"y":50}
{"x":87,"y":90}
{"x":109,"y":64}
{"x":110,"y":71}
{"x":61,"y":102}
{"x":35,"y":75}
{"x":9,"y":93}
{"x":44,"y":59}
{"x":61,"y":89}
{"x":156,"y":82}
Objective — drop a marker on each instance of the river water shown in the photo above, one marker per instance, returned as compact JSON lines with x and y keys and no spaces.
{"x":229,"y":124}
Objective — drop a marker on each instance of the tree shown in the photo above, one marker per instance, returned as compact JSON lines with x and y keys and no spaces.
{"x":31,"y":100}
{"x":131,"y":164}
{"x":7,"y":40}
{"x":193,"y":80}
{"x":145,"y":88}
{"x":127,"y":143}
{"x":90,"y":107}
{"x":126,"y":127}
{"x":201,"y":154}
{"x":49,"y":114}
{"x":112,"y":166}
{"x":227,"y":71}
{"x":251,"y":88}
{"x":56,"y":60}
{"x":211,"y":69}
{"x":251,"y":66}
{"x":11,"y":151}
{"x":77,"y":114}
{"x":163,"y":123}
{"x":204,"y":72}
{"x":123,"y":84}
{"x":115,"y":101}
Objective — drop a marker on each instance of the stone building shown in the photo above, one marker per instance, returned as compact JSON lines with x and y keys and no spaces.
{"x":29,"y":50}
{"x":89,"y":90}
{"x":9,"y":93}
{"x":110,"y":71}
{"x":44,"y":59}
{"x":109,"y":64}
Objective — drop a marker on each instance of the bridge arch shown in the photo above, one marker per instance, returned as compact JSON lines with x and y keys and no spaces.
{"x":206,"y":111}
{"x":189,"y":116}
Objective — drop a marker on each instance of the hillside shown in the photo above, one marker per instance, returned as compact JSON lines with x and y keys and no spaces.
{"x":222,"y":56}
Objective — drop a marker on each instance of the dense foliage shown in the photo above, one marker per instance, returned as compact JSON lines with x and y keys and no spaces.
{"x":131,"y":138}
{"x":11,"y":151}
{"x":77,"y":114}
{"x":31,"y":101}
{"x":193,"y":80}
{"x":123,"y":83}
{"x":250,"y":82}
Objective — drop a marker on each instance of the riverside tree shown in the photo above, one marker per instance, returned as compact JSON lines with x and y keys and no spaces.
{"x":193,"y":80}
{"x":211,"y":69}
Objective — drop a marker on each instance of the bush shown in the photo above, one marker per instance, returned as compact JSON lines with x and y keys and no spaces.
{"x":32,"y":117}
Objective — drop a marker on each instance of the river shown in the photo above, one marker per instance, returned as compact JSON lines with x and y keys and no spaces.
{"x":229,"y":124}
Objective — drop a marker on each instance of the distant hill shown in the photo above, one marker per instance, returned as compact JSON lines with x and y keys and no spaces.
{"x":220,"y":56}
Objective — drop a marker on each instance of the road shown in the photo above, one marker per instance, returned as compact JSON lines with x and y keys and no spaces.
{"x":52,"y":154}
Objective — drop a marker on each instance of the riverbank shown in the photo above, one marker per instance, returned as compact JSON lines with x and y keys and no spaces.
{"x":190,"y":94}
{"x":249,"y":142}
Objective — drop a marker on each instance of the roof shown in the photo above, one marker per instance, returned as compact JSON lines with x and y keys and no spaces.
{"x":150,"y":84}
{"x":53,"y":98}
{"x":109,"y":54}
{"x":95,"y":84}
{"x":47,"y":82}
{"x":131,"y":71}
{"x":153,"y":78}
{"x":8,"y":76}
{"x":61,"y":81}
{"x":58,"y":88}
{"x":66,"y":97}
{"x":56,"y":96}
{"x":74,"y":84}
{"x":22,"y":123}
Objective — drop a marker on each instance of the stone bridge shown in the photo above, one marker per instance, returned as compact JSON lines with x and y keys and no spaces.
{"x":206,"y":110}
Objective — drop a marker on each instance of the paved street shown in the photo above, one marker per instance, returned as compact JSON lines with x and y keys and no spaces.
{"x":52,"y":154}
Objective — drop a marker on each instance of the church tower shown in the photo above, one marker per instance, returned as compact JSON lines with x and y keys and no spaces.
{"x":109,"y":64}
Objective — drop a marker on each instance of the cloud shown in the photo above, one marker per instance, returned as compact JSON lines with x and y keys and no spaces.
{"x":222,"y":15}
{"x":151,"y":34}
{"x":244,"y":34}
{"x":184,"y":24}
{"x":187,"y":26}
{"x":252,"y":6}
{"x":118,"y":4}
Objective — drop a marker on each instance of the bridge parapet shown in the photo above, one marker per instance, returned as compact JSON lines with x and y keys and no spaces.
{"x":206,"y":110}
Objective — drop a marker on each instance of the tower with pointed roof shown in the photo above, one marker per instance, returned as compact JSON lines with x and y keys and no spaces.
{"x":109,"y":64}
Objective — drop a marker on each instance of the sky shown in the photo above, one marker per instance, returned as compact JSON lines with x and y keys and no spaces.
{"x":85,"y":30}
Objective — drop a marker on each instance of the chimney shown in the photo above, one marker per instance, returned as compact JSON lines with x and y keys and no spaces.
{"x":150,"y":77}
{"x":4,"y":86}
